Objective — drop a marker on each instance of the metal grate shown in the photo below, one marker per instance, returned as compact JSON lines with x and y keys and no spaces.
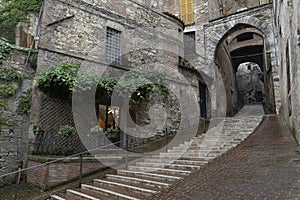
{"x":53,"y":114}
{"x":113,"y":46}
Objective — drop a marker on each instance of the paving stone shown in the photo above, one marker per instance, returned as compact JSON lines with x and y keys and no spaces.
{"x":259,"y":168}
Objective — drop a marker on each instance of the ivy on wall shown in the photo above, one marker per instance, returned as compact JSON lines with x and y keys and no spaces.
{"x":5,"y":49}
{"x":145,"y":84}
{"x":15,"y":11}
{"x":64,"y":79}
{"x":59,"y":82}
{"x":3,"y":103}
{"x":9,"y":75}
{"x":25,"y":103}
{"x":8,"y":90}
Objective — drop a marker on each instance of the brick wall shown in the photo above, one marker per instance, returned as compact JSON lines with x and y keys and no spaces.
{"x":58,"y":173}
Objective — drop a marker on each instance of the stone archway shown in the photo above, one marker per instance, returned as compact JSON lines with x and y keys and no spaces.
{"x":260,"y":21}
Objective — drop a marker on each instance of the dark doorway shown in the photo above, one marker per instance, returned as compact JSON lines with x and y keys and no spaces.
{"x":203,"y":99}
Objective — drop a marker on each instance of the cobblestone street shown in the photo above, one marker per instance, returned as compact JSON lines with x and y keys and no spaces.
{"x":265,"y":166}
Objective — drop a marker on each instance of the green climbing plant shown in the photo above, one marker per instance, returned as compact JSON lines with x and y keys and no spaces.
{"x":3,"y":103}
{"x":8,"y":90}
{"x":59,"y":82}
{"x":5,"y":49}
{"x":146,"y":85}
{"x":25,"y":103}
{"x":15,"y":11}
{"x":9,"y":75}
{"x":64,"y":79}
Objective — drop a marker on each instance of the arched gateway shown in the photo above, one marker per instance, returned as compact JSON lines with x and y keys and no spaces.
{"x":245,"y":37}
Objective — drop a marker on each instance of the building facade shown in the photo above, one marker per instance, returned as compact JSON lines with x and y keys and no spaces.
{"x":112,"y":38}
{"x":287,"y":23}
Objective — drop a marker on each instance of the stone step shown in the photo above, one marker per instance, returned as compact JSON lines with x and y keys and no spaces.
{"x":158,"y":169}
{"x":168,"y":165}
{"x":200,"y":150}
{"x":150,"y":175}
{"x":108,"y":192}
{"x":222,"y":147}
{"x":196,"y":145}
{"x":66,"y":196}
{"x":81,"y":195}
{"x":182,"y":166}
{"x":191,"y":162}
{"x":156,"y":184}
{"x":126,"y":187}
{"x":198,"y":158}
{"x":155,"y":160}
{"x":217,"y":139}
{"x":61,"y":197}
{"x":200,"y":153}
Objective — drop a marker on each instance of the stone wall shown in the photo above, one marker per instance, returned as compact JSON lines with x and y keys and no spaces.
{"x":13,"y":134}
{"x":219,"y":8}
{"x":224,"y":63}
{"x":75,"y":32}
{"x":213,"y":22}
{"x":286,"y":25}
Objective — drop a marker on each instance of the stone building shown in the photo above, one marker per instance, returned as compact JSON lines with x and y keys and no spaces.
{"x":230,"y":33}
{"x":111,"y":38}
{"x":287,"y":26}
{"x":227,"y":34}
{"x":200,"y":44}
{"x":216,"y":39}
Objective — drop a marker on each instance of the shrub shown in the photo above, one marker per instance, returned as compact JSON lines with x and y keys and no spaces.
{"x":66,"y":130}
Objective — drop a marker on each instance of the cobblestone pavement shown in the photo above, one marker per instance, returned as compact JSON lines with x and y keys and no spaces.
{"x":265,"y":166}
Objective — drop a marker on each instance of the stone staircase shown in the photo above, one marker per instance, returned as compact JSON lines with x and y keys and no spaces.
{"x":151,"y":175}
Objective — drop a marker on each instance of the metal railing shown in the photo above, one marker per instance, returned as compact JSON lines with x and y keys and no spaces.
{"x":116,"y":148}
{"x":20,"y":171}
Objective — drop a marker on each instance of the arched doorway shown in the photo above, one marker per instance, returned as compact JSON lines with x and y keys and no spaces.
{"x":245,"y":44}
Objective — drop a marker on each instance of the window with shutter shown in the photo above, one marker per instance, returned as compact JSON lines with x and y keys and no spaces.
{"x":187,"y":11}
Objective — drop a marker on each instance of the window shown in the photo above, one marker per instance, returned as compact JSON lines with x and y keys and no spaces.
{"x":189,"y":43}
{"x":113,"y":46}
{"x":244,"y":37}
{"x":187,"y":11}
{"x":26,"y":39}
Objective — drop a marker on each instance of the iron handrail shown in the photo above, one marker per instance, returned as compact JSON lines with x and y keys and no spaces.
{"x":57,"y":160}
